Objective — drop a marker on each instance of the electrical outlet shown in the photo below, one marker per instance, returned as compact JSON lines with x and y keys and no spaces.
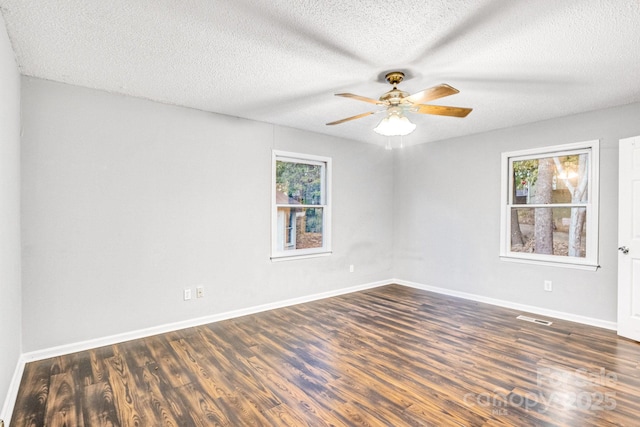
{"x":351,"y":268}
{"x":200,"y":291}
{"x":187,"y":294}
{"x":548,"y":286}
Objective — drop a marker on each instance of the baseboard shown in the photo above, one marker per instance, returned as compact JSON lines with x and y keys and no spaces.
{"x":143,"y":333}
{"x":12,"y":393}
{"x":170,"y":327}
{"x":516,"y":306}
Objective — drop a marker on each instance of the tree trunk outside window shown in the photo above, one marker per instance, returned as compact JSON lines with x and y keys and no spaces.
{"x":543,"y":230}
{"x":578,"y":195}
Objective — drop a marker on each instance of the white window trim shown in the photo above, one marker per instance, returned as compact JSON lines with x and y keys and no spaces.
{"x":325,"y":250}
{"x":590,"y":262}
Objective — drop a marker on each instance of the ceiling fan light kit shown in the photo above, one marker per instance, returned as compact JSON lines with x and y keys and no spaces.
{"x":397,"y":102}
{"x":395,"y":124}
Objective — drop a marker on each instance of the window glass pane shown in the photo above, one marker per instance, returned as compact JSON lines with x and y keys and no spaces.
{"x":298,"y":183}
{"x":548,"y":180}
{"x":299,"y":228}
{"x":549,"y":231}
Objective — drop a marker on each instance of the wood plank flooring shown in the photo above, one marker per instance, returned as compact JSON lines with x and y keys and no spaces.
{"x":390,"y":356}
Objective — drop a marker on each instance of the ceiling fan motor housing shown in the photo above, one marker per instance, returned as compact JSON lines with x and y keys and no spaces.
{"x":394,"y":96}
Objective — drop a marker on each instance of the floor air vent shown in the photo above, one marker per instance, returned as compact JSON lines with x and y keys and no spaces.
{"x":532,"y":320}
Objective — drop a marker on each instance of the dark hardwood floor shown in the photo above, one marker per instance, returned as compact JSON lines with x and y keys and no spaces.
{"x":391,"y":356}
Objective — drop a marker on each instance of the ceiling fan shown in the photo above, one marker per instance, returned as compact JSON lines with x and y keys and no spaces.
{"x":398,"y":102}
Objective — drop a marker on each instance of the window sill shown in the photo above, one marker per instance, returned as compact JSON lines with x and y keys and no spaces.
{"x":588,"y":267}
{"x":280,"y":258}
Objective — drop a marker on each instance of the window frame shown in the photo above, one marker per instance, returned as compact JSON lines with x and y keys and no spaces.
{"x":590,"y":261}
{"x":325,"y":250}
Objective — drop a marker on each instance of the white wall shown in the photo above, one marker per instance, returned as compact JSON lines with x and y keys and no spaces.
{"x":448,"y":232}
{"x":126,"y":202}
{"x":10,"y":296}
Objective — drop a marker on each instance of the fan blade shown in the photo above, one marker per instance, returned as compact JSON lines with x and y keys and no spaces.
{"x":442,"y":110}
{"x":360,"y":98}
{"x":432,"y":93}
{"x":359,"y":116}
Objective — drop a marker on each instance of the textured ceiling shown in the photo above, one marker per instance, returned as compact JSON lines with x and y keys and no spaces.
{"x":281,"y":61}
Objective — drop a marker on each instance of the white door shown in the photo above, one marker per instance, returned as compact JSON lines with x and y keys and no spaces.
{"x":629,"y":239}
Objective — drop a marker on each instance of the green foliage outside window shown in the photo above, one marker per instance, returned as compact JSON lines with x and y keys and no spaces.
{"x":301,"y":182}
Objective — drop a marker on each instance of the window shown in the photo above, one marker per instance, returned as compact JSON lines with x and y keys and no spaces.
{"x":301,"y":213}
{"x":550,"y":205}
